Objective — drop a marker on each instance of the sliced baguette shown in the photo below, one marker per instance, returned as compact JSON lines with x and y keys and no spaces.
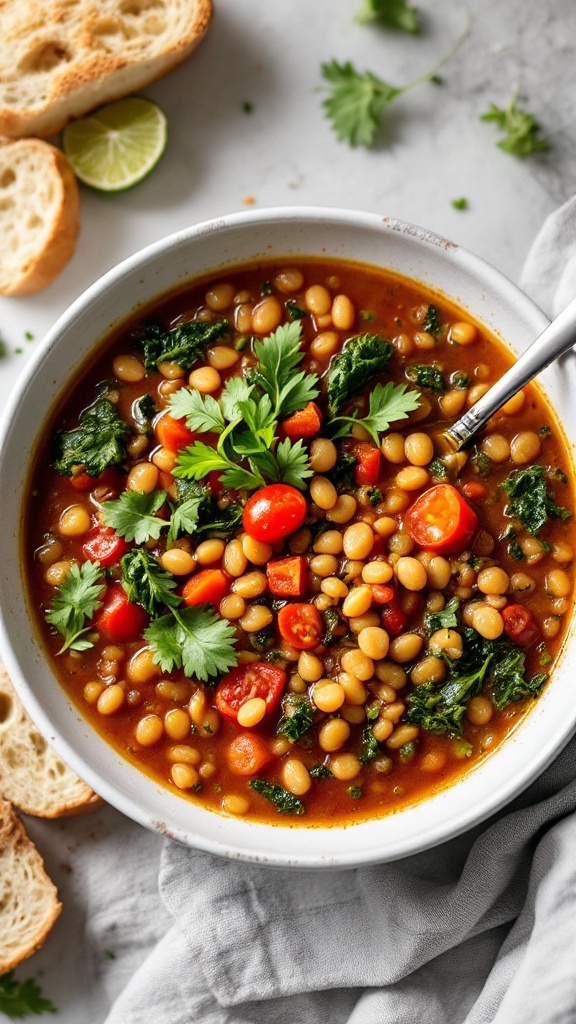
{"x":32,"y":776}
{"x":39,"y":215}
{"x":61,"y":58}
{"x":29,"y":903}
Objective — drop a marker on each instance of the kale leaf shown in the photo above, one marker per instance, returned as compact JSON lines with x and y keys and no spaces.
{"x":182,"y":345}
{"x":426,"y":375}
{"x":432,"y":324}
{"x":96,"y":443}
{"x":370,"y":749}
{"x":361,"y":358}
{"x":283,"y":801}
{"x":146,"y":583}
{"x":297,"y":718}
{"x":342,"y":475}
{"x":529,"y":499}
{"x":213,"y":521}
{"x":509,"y":684}
{"x":143,"y":411}
{"x":331,"y":620}
{"x":445,"y":619}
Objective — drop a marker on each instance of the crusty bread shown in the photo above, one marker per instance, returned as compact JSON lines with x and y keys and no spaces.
{"x":61,"y":58}
{"x":32,"y":776}
{"x":29,"y":903}
{"x":39,"y":215}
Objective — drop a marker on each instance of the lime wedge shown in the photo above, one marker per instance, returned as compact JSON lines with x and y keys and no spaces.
{"x":118,"y":145}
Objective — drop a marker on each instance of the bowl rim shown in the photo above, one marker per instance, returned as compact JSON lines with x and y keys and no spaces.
{"x":487,"y":277}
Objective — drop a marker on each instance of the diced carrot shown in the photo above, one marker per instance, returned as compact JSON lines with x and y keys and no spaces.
{"x":367,"y":469}
{"x":208,"y":587}
{"x":304,"y":423}
{"x":288,"y":577}
{"x":248,"y":754}
{"x":172,"y":433}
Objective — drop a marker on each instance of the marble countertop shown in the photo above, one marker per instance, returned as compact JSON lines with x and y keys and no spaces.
{"x":432,"y":148}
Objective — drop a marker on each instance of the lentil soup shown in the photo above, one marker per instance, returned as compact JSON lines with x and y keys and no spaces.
{"x":260,"y":574}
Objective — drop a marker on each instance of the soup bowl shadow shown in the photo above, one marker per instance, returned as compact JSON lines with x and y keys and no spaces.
{"x":161,"y":268}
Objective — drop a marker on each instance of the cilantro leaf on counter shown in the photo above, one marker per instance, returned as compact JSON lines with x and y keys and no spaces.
{"x":529,"y":499}
{"x":133,"y":515}
{"x":521,"y":131}
{"x":146,"y":583}
{"x":183,"y":344}
{"x":195,"y":640}
{"x":282,"y":800}
{"x":96,"y":443}
{"x":359,"y":360}
{"x":396,"y":14}
{"x":76,"y":601}
{"x":356,"y":102}
{"x":21,"y":998}
{"x":387,"y":404}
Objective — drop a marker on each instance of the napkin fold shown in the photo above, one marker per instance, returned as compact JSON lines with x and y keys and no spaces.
{"x":480,"y":929}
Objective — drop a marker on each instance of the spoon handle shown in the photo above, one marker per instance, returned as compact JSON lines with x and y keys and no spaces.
{"x":556,"y":339}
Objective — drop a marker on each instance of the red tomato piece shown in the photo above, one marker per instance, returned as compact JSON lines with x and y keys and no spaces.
{"x":208,"y":587}
{"x":475,"y":491}
{"x":304,"y":423}
{"x":367,"y":469}
{"x":102,"y":544}
{"x":274,"y":512}
{"x":255,"y":679}
{"x":248,"y":754}
{"x":288,"y":577}
{"x":301,"y":625}
{"x":172,"y":433}
{"x":520,"y":625}
{"x":109,"y":478}
{"x":441,"y":520}
{"x":393,"y":616}
{"x":118,"y":619}
{"x":382,"y":593}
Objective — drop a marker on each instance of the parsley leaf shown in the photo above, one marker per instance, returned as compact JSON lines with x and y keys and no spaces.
{"x":521,"y":136}
{"x":95,"y":444}
{"x":146,"y":582}
{"x":293,"y":463}
{"x":387,"y":404}
{"x":182,"y":345}
{"x":361,"y":358}
{"x":200,"y":459}
{"x":77,"y":598}
{"x":276,"y":372}
{"x":193,"y":639}
{"x":283,"y":801}
{"x":237,"y":390}
{"x":356,"y":102}
{"x":21,"y":998}
{"x":390,"y":13}
{"x":133,"y":515}
{"x":529,"y":499}
{"x":202,"y":412}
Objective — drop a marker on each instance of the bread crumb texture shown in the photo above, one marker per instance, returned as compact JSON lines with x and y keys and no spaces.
{"x":62,"y":58}
{"x":32,"y":776}
{"x":29,"y":903}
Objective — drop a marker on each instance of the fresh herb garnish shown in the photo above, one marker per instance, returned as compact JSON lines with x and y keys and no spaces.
{"x":374,"y":495}
{"x":545,"y":431}
{"x":356,"y":364}
{"x":146,"y":582}
{"x":355,"y":792}
{"x":447,"y":618}
{"x":294,"y":311}
{"x":408,"y":752}
{"x":386,"y":404}
{"x":76,"y":601}
{"x":331,"y":620}
{"x":370,"y":749}
{"x":195,"y":640}
{"x":96,"y":443}
{"x":320,"y":771}
{"x":143,"y":412}
{"x":396,"y":14}
{"x":21,"y":998}
{"x":521,"y":131}
{"x":182,"y":345}
{"x":432,"y":323}
{"x":133,"y":515}
{"x":460,"y":380}
{"x":460,"y":204}
{"x":262,"y":640}
{"x":509,"y":684}
{"x":482,"y":463}
{"x":297,"y":717}
{"x":426,"y":375}
{"x":529,"y":499}
{"x":284,"y":802}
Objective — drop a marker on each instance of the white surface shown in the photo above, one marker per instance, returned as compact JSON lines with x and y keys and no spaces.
{"x":284,"y":153}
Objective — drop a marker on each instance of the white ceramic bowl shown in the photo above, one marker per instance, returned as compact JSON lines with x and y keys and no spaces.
{"x":211,"y":246}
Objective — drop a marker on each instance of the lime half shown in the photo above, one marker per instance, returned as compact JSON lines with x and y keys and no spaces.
{"x":118,"y":145}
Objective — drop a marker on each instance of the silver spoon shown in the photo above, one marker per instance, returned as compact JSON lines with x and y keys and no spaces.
{"x":554,"y":341}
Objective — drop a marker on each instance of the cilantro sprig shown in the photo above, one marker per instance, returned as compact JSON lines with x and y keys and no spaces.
{"x":246,"y":418}
{"x":76,"y":601}
{"x":133,"y":515}
{"x":396,"y":14}
{"x":21,"y":998}
{"x":195,"y":640}
{"x":387,"y":404}
{"x":521,"y":130}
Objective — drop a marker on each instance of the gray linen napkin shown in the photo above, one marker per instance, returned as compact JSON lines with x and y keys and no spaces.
{"x":481,"y":929}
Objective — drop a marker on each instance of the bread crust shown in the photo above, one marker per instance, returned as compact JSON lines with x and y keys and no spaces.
{"x":29,"y":903}
{"x":39,"y":211}
{"x":71,"y":59}
{"x":32,"y":776}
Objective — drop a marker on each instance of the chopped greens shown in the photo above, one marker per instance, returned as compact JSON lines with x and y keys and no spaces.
{"x":182,"y":345}
{"x":521,"y":131}
{"x":426,"y":375}
{"x":143,"y":412}
{"x":509,"y":684}
{"x":360,"y":358}
{"x":445,"y":619}
{"x":297,"y":717}
{"x":331,"y":620}
{"x":76,"y":601}
{"x":529,"y":499}
{"x":460,"y":204}
{"x":370,"y":749}
{"x":146,"y":583}
{"x":438,"y":469}
{"x":294,"y":311}
{"x":397,"y":14}
{"x":432,"y":323}
{"x":283,"y":801}
{"x":96,"y":443}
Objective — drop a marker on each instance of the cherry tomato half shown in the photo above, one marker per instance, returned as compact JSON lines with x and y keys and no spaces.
{"x":119,"y":620}
{"x":520,"y":625}
{"x":255,"y":679}
{"x":301,"y":625}
{"x":441,"y":520}
{"x":102,"y":544}
{"x":274,"y":512}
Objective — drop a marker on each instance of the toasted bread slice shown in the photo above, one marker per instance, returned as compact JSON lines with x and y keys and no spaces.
{"x":61,"y":58}
{"x":32,"y":776}
{"x":29,"y":903}
{"x":39,"y":215}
